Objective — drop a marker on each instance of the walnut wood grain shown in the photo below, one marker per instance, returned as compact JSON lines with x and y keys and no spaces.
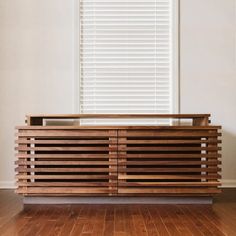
{"x":118,"y":160}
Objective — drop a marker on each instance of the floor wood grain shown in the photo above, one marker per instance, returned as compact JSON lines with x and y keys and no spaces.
{"x":119,"y":220}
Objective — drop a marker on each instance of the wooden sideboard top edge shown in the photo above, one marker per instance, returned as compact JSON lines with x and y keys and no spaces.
{"x":119,"y":127}
{"x":73,"y":116}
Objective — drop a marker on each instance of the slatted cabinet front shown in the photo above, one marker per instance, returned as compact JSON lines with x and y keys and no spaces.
{"x":168,"y":160}
{"x":66,"y":161}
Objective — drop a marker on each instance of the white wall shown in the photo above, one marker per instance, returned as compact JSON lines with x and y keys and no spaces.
{"x":37,"y":67}
{"x":208,"y":69}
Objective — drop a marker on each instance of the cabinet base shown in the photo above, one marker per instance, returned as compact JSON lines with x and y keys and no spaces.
{"x":117,"y":200}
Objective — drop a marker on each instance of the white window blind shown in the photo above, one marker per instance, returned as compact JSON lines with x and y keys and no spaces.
{"x":126,"y":56}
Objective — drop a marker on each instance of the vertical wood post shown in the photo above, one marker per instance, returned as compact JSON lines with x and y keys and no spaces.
{"x":201,"y":121}
{"x":122,"y":159}
{"x":24,"y":180}
{"x":213,"y":144}
{"x":34,"y":120}
{"x":113,"y":162}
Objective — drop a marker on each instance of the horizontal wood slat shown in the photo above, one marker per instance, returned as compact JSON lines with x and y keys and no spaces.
{"x":64,"y":148}
{"x":53,"y":163}
{"x":168,"y":141}
{"x":175,"y":155}
{"x":169,"y":190}
{"x":59,"y":190}
{"x":70,"y":177}
{"x":170,"y":134}
{"x":168,"y":177}
{"x":89,"y":116}
{"x":66,"y":170}
{"x":62,"y":133}
{"x":118,"y":160}
{"x":167,"y":184}
{"x":67,"y":184}
{"x":118,"y":127}
{"x":146,"y":169}
{"x":161,"y":149}
{"x":141,"y":163}
{"x":67,"y":156}
{"x":62,"y":141}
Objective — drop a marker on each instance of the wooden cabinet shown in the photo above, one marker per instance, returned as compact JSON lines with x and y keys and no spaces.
{"x":118,"y":160}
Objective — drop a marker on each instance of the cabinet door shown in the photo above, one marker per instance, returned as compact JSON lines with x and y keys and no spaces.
{"x":168,"y":160}
{"x":66,"y":161}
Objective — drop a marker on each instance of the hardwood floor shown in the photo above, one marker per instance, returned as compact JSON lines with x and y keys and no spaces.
{"x":138,"y":220}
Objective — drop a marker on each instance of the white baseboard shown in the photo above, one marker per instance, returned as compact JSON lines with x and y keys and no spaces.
{"x":228,"y":183}
{"x":7,"y":185}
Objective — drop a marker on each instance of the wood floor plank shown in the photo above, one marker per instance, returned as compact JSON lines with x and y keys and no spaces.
{"x":179,"y":221}
{"x":225,"y":219}
{"x":169,"y":221}
{"x":48,"y":219}
{"x":88,"y":220}
{"x":98,"y":220}
{"x":119,"y":221}
{"x":161,"y":228}
{"x":221,"y":224}
{"x":70,"y":220}
{"x":139,"y":224}
{"x":185,"y":216}
{"x":129,"y":224}
{"x":59,"y":221}
{"x":109,"y":222}
{"x":149,"y":223}
{"x":195,"y":219}
{"x":17,"y":224}
{"x":200,"y":210}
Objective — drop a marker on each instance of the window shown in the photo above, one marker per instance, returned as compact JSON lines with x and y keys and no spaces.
{"x":127,"y":55}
